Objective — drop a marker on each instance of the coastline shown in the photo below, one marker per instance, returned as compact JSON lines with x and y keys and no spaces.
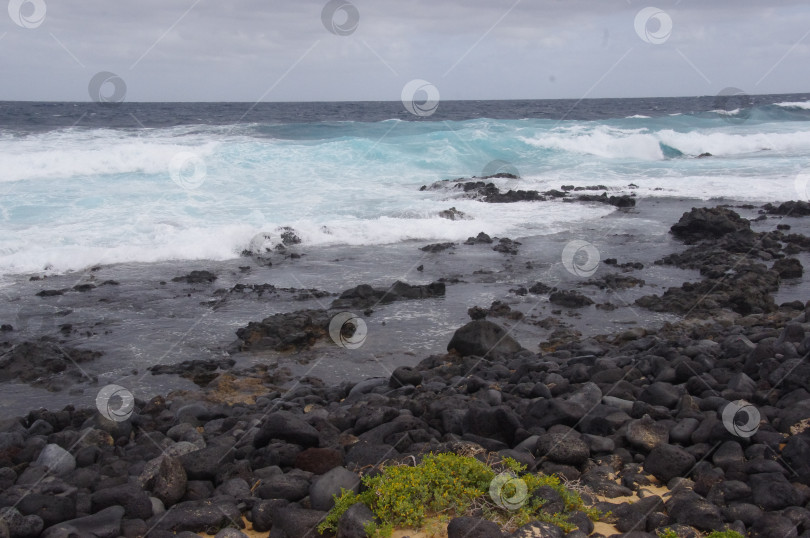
{"x":146,"y":319}
{"x":568,"y":353}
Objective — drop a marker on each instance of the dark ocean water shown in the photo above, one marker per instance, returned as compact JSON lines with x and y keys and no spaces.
{"x":33,"y":116}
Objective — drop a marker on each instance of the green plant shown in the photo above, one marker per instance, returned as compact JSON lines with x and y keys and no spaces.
{"x":724,"y":534}
{"x":448,"y":485}
{"x":667,"y":533}
{"x":343,"y":502}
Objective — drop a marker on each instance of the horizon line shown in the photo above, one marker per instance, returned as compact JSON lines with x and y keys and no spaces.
{"x":394,"y":101}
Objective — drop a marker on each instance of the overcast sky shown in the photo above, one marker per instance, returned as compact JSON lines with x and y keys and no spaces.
{"x":249,"y":50}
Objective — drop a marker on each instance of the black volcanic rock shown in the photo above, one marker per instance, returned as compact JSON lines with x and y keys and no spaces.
{"x":287,"y":427}
{"x":788,"y":268}
{"x":196,"y":277}
{"x":482,"y":338}
{"x":623,"y":200}
{"x":792,"y":208}
{"x":708,"y":223}
{"x":40,"y":363}
{"x":665,"y":462}
{"x":569,"y":299}
{"x":479,"y":239}
{"x":437,"y":247}
{"x":364,"y":296}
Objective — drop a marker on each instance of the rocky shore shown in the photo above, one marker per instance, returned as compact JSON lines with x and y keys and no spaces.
{"x":693,"y":425}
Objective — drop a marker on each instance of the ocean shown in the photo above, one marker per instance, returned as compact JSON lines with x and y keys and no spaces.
{"x":85,"y":184}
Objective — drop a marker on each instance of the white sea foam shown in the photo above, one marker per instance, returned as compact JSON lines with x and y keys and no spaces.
{"x":642,"y":144}
{"x":146,"y":240}
{"x":804,"y":105}
{"x":68,"y":154}
{"x":77,"y":197}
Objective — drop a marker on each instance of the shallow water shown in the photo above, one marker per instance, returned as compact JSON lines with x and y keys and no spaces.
{"x":142,"y":321}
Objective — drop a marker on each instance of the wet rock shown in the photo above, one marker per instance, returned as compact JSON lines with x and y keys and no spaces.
{"x":614,"y":281}
{"x":799,"y":208}
{"x":706,"y":223}
{"x":285,"y":332}
{"x":453,"y":214}
{"x":84,"y":288}
{"x":481,"y":238}
{"x":38,"y":363}
{"x":506,"y":246}
{"x":788,"y":268}
{"x":538,"y":288}
{"x":482,"y":338}
{"x":569,"y":299}
{"x":200,"y":371}
{"x":288,"y":236}
{"x":364,"y":296}
{"x":437,"y":247}
{"x":623,"y":200}
{"x":196,"y":277}
{"x":50,"y":293}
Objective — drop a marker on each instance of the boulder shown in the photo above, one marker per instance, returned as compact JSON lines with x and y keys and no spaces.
{"x":708,"y":223}
{"x":103,"y":524}
{"x":287,"y":427}
{"x":329,"y":484}
{"x":666,"y":462}
{"x":482,"y":338}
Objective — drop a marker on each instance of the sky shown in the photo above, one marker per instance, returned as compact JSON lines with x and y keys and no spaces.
{"x":358,"y":50}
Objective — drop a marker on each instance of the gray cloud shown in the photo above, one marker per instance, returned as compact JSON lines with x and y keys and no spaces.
{"x":242,"y":50}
